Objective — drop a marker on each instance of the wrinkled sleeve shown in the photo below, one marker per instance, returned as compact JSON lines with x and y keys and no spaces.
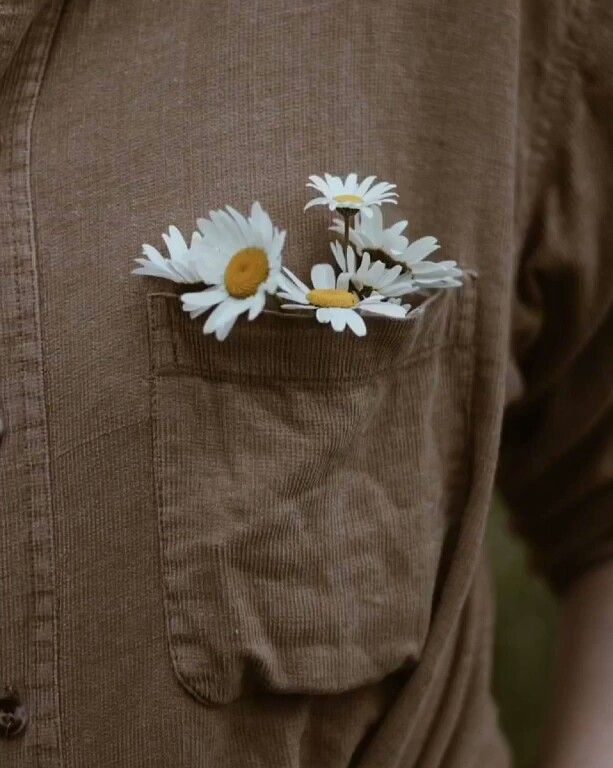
{"x":556,"y":463}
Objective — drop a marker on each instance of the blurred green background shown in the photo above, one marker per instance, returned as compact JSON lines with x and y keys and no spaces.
{"x":525,"y":629}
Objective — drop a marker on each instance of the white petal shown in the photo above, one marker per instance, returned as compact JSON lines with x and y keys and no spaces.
{"x":153,"y":254}
{"x":297,"y":306}
{"x":404,"y":284}
{"x":338,"y":225}
{"x":356,"y":323}
{"x":382,"y":188}
{"x":316,"y":201}
{"x":350,"y":260}
{"x":384,"y":308}
{"x":209,"y":264}
{"x":335,"y":184}
{"x":200,"y":301}
{"x":342,"y":281}
{"x":260,"y":220}
{"x":376,"y":272}
{"x":228,"y":310}
{"x":322,"y":276}
{"x":365,"y":185}
{"x":323,"y":315}
{"x":296,"y":280}
{"x":362,"y":271}
{"x":222,"y":332}
{"x":339,"y":254}
{"x":375,"y":225}
{"x":241,"y":222}
{"x":157,"y":269}
{"x":174,"y":242}
{"x":419,"y":249}
{"x":231,"y":237}
{"x":399,"y":227}
{"x":155,"y":265}
{"x":430,"y":269}
{"x":257,"y":305}
{"x":184,"y":267}
{"x":338,"y":319}
{"x":391,"y":274}
{"x":151,"y":270}
{"x":446,"y":282}
{"x":351,"y":183}
{"x":318,"y":183}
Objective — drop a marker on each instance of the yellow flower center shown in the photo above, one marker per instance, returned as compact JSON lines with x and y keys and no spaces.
{"x":348,"y":199}
{"x":246,"y":271}
{"x":332,"y":297}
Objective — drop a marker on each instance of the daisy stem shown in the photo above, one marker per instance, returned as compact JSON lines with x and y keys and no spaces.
{"x":347,"y":228}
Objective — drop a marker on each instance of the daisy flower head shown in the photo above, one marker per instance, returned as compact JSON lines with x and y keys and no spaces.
{"x":363,"y":272}
{"x":178,"y":267}
{"x":348,"y":196}
{"x":332,"y":301}
{"x":369,"y":234}
{"x":239,"y":258}
{"x":423,"y":273}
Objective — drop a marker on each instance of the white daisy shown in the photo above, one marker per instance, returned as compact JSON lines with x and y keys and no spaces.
{"x":240,"y":258}
{"x":375,"y":274}
{"x":332,"y":300}
{"x":370,"y":235}
{"x":349,"y":197}
{"x":437,"y":274}
{"x":423,"y":274}
{"x":178,"y":267}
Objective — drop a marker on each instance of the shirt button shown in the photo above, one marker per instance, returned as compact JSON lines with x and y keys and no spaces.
{"x":13,"y":715}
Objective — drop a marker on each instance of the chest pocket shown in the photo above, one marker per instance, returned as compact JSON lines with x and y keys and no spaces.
{"x":305,"y":481}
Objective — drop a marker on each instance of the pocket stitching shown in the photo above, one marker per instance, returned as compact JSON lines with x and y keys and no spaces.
{"x":465,"y":331}
{"x":459,"y":336}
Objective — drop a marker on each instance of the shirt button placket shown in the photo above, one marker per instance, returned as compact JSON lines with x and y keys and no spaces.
{"x":13,"y":714}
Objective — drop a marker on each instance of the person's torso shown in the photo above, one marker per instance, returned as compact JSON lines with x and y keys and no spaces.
{"x":287,"y":523}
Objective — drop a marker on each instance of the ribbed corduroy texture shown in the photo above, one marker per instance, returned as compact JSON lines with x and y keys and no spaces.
{"x":28,"y":629}
{"x":294,"y":558}
{"x":324,"y":496}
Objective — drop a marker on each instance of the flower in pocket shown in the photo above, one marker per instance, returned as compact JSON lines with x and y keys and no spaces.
{"x":349,"y":197}
{"x":422,"y":274}
{"x":178,"y":267}
{"x":366,"y":274}
{"x":370,"y":235}
{"x":332,"y":301}
{"x":240,"y":260}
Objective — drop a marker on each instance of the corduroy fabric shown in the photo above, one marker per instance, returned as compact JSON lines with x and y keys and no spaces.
{"x":28,"y":628}
{"x":135,"y":448}
{"x":293,"y":557}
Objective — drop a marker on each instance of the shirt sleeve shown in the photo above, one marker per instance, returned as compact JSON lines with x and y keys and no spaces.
{"x":556,"y":462}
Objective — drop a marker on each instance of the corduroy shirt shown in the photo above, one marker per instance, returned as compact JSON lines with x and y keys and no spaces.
{"x":267,"y":553}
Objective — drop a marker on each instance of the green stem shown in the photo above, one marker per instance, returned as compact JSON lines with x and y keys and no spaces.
{"x":346,"y":236}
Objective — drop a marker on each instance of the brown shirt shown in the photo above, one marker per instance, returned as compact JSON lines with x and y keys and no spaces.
{"x":268,"y":552}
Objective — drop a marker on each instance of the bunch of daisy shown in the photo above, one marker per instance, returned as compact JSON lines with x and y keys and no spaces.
{"x":239,"y":260}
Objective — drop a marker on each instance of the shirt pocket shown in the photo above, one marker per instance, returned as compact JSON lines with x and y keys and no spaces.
{"x":305,"y":483}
